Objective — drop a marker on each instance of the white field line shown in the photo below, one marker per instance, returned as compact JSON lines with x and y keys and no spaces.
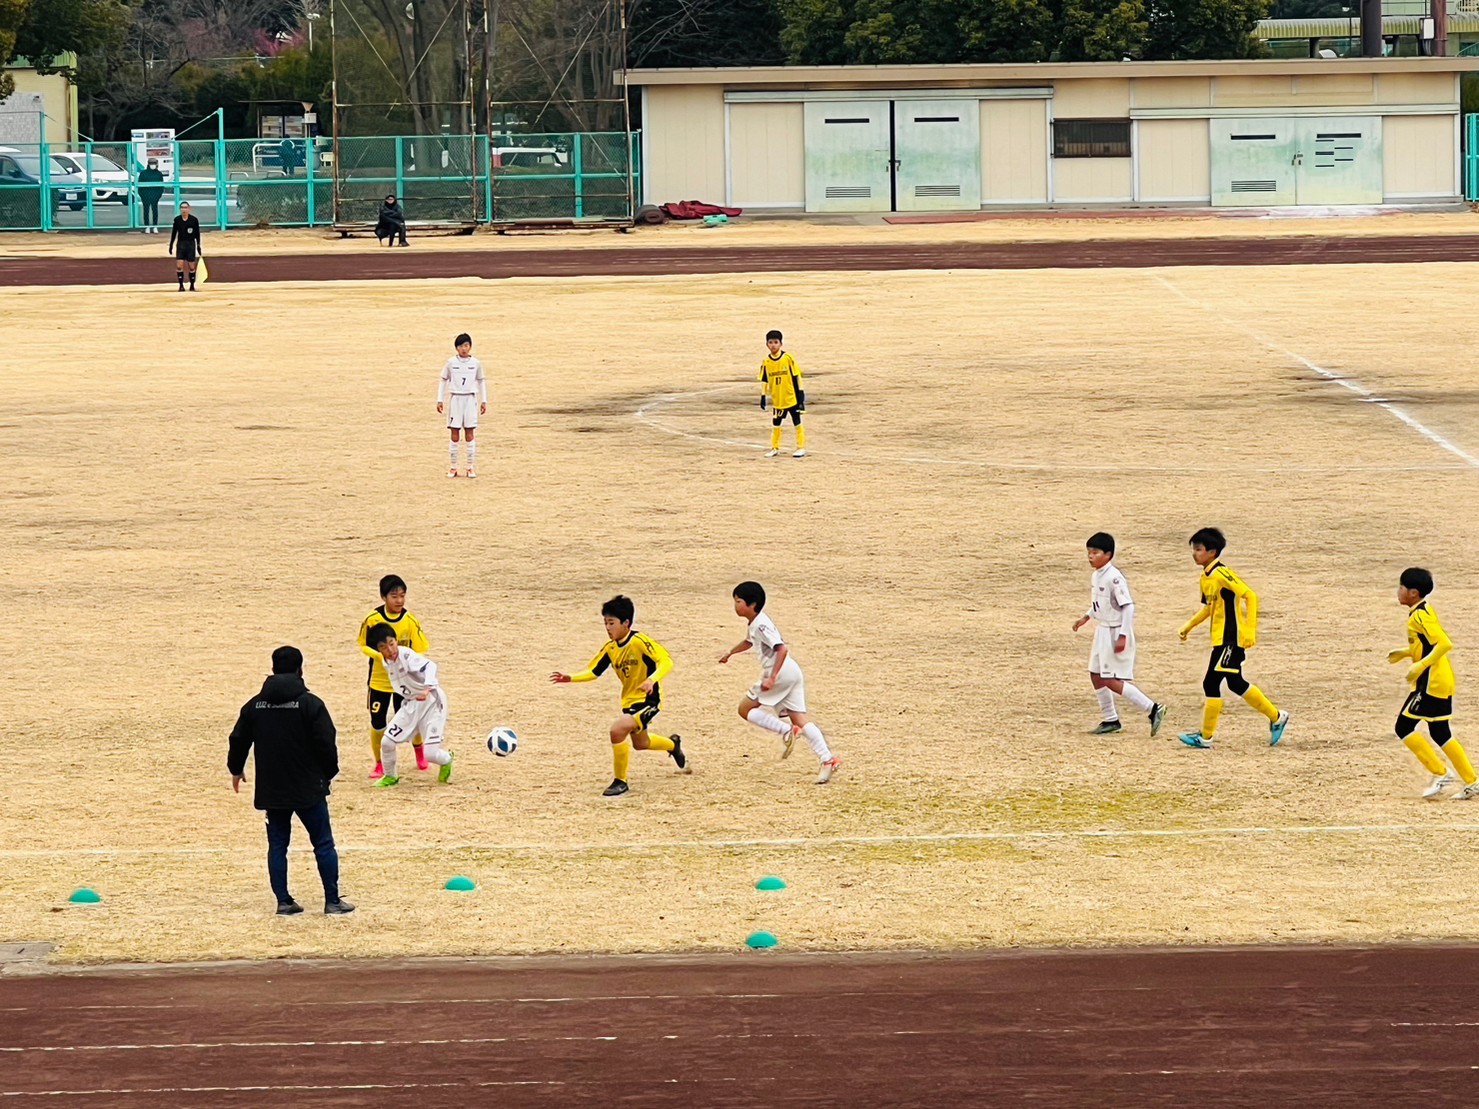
{"x":794,"y":841}
{"x":650,"y":414}
{"x":1343,"y":380}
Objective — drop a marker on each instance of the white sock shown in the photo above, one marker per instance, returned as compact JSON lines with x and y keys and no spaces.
{"x":813,"y":735}
{"x":1136,"y":698}
{"x":387,"y":756}
{"x":435,"y":753}
{"x":452,"y":453}
{"x":1106,"y":704}
{"x":472,"y":452}
{"x":762,"y":719}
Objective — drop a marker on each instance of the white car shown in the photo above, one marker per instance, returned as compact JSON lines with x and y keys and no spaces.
{"x":111,"y":182}
{"x":528,"y":157}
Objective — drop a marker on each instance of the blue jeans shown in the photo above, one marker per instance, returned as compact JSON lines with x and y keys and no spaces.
{"x":280,"y":832}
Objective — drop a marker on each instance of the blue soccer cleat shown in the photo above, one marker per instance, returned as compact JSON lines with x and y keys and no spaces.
{"x":1194,"y":739}
{"x":1276,"y":729}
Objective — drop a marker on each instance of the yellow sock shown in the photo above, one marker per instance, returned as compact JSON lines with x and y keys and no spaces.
{"x":417,"y":743}
{"x":1460,"y":759}
{"x":621,"y":757}
{"x":800,"y":437}
{"x":1426,"y":755}
{"x":775,"y":438}
{"x":658,"y":742}
{"x":1211,"y":712}
{"x":1255,"y":697}
{"x":376,"y":735}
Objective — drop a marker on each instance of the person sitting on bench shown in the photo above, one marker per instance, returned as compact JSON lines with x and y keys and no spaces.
{"x":392,"y":222}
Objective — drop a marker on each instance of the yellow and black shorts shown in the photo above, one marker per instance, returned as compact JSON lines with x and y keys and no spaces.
{"x":1420,"y":706}
{"x":643,"y":712}
{"x":381,"y":704}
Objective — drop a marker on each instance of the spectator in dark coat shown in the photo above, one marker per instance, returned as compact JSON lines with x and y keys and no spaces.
{"x":287,"y":156}
{"x":296,"y":760}
{"x":151,"y":188}
{"x":392,"y":222}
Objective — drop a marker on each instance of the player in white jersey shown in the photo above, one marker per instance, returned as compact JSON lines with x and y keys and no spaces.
{"x":781,"y":690}
{"x":423,"y":711}
{"x":466,"y":392}
{"x":1112,"y":657}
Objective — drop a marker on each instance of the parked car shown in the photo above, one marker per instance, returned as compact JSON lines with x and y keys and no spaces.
{"x":111,"y":182}
{"x":528,"y":157}
{"x":23,"y":168}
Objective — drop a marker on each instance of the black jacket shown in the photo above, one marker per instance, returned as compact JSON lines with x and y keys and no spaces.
{"x":151,"y":184}
{"x":294,"y":737}
{"x":392,"y":213}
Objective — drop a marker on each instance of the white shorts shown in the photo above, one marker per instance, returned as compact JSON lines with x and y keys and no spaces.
{"x":462,"y":410}
{"x":427,"y":718}
{"x":787,"y":695}
{"x":1103,"y":660}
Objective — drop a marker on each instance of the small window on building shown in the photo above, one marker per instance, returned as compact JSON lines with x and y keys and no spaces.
{"x":1091,"y":138}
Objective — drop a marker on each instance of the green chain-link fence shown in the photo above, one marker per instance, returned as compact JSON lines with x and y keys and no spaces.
{"x":457,"y":180}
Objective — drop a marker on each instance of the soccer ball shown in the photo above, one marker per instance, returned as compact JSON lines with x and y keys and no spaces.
{"x":503,"y":741}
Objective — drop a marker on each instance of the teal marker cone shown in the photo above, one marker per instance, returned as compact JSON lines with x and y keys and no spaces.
{"x":84,"y":896}
{"x":760,"y":939}
{"x":770,"y":882}
{"x":458,"y":882}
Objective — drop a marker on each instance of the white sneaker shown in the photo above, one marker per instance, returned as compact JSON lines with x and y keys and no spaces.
{"x":1469,"y":792}
{"x":471,"y":472}
{"x":834,"y":764}
{"x":788,"y":741}
{"x":799,"y":453}
{"x":772,"y":452}
{"x":1438,"y":784}
{"x":452,"y":471}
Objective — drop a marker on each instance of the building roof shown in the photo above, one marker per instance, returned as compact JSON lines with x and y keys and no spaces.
{"x":896,"y":75}
{"x":1340,"y":27}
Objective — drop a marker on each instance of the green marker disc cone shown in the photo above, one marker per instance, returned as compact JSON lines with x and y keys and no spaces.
{"x":770,"y":882}
{"x":84,"y":896}
{"x":760,"y":939}
{"x":458,"y":882}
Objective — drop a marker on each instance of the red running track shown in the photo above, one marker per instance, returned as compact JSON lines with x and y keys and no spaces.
{"x":362,"y":262}
{"x":1190,"y":1028}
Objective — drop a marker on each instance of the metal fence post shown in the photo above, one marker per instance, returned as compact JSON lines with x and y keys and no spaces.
{"x":1471,"y":157}
{"x":579,"y":177}
{"x":400,"y":171}
{"x":43,"y":150}
{"x":486,"y":142}
{"x":87,"y":184}
{"x":309,"y":157}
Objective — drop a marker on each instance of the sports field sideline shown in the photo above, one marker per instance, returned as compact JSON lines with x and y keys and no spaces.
{"x":212,"y":476}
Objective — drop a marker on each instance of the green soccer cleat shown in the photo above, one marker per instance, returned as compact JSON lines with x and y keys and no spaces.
{"x":1157,"y":718}
{"x":1276,"y":729}
{"x":1194,"y":739}
{"x":1107,"y":727}
{"x":388,"y":781}
{"x":445,"y":773}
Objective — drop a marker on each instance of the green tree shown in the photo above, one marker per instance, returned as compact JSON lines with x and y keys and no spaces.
{"x":1009,"y":31}
{"x":1184,"y":29}
{"x":1102,"y":30}
{"x":12,"y":15}
{"x":669,"y":33}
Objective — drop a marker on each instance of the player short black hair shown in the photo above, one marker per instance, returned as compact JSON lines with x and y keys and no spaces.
{"x":1101,"y":541}
{"x":752,"y":593}
{"x":621,"y":607}
{"x":463,"y":338}
{"x":289,"y":660}
{"x":1415,"y":577}
{"x":774,"y":334}
{"x":390,"y":583}
{"x":1210,"y":538}
{"x":378,"y":635}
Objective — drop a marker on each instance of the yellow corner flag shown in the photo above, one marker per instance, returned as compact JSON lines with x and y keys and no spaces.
{"x":202,"y":274}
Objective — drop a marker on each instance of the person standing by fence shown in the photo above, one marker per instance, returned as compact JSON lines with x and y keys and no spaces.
{"x":184,"y":244}
{"x":151,"y":188}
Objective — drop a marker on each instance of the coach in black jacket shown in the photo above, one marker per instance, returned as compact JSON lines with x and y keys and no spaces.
{"x":296,"y":760}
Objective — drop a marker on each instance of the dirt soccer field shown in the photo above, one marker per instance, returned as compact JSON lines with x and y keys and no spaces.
{"x":193,"y":481}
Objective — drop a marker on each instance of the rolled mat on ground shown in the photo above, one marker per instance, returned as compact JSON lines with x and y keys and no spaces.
{"x":697,"y":209}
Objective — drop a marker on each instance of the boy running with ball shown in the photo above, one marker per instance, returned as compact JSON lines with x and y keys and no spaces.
{"x":641,"y":663}
{"x":1112,"y":657}
{"x":423,"y":708}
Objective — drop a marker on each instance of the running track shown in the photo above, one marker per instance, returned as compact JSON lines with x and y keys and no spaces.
{"x":1258,"y":1027}
{"x":358,"y":260}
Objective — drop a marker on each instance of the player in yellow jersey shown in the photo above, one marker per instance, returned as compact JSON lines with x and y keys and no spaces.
{"x":781,"y":388}
{"x":1431,"y":698}
{"x":383,"y":700}
{"x":641,"y":664}
{"x":1233,"y":609}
